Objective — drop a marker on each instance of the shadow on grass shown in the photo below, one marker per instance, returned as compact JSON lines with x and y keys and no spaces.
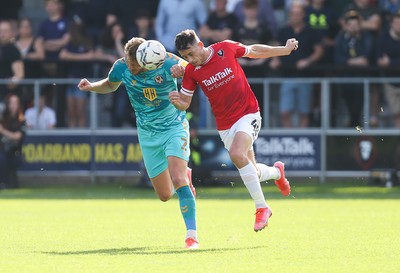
{"x":148,"y":251}
{"x":300,"y":190}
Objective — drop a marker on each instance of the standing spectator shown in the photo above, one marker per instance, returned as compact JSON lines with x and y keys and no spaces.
{"x":31,"y":48}
{"x":11,"y":64}
{"x":92,"y":13}
{"x":124,"y":11}
{"x":321,"y":18}
{"x":111,"y":49}
{"x":252,"y":31}
{"x":143,"y":26}
{"x":42,"y":117}
{"x":220,"y":24}
{"x":79,"y":52}
{"x":9,"y":11}
{"x":12,"y":133}
{"x":174,"y":16}
{"x":266,"y":14}
{"x":32,"y":53}
{"x":353,"y":49}
{"x":297,"y":96}
{"x":389,"y":57}
{"x":53,"y":31}
{"x":369,"y":15}
{"x":388,"y":9}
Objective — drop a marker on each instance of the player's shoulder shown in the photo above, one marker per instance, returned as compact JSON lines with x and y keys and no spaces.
{"x":120,"y":64}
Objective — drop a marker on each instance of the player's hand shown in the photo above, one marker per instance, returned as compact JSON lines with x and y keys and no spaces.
{"x":177,"y":71}
{"x":174,"y":97}
{"x":84,"y":85}
{"x":292,"y":44}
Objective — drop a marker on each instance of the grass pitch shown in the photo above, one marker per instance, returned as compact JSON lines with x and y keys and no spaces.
{"x":319,"y":228}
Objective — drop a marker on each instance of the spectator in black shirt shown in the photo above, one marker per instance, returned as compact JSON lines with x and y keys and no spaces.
{"x":220,"y":24}
{"x":389,"y":57}
{"x":353,"y":49}
{"x":296,"y":96}
{"x":11,"y":64}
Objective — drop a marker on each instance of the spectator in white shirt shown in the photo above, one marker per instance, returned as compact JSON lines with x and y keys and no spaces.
{"x":46,"y":119}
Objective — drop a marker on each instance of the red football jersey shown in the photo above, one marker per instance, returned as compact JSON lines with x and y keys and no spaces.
{"x":224,"y":83}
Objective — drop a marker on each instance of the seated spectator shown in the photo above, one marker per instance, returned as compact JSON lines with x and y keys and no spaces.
{"x":41,"y":117}
{"x":12,"y":133}
{"x":11,"y":64}
{"x":266,"y":14}
{"x":294,"y":96}
{"x":219,"y":25}
{"x":353,"y":49}
{"x":79,"y":52}
{"x":389,"y":57}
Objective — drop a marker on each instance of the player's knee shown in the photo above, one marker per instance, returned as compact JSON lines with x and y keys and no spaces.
{"x":237,"y":156}
{"x":164,"y":197}
{"x":179,"y":180}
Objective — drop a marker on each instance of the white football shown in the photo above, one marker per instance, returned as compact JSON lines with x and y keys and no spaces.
{"x":151,"y":54}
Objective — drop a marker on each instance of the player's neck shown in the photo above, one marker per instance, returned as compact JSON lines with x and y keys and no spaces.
{"x":206,"y":54}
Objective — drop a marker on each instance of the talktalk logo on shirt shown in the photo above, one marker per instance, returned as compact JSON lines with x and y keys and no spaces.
{"x":217,"y":77}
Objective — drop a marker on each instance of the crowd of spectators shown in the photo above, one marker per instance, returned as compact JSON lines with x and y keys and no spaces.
{"x":82,"y":38}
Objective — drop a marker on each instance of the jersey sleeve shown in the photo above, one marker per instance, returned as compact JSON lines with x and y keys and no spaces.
{"x":171,"y":60}
{"x":117,"y":70}
{"x":239,"y":49}
{"x":188,"y":83}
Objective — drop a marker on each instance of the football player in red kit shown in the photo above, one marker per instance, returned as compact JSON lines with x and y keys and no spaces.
{"x":216,"y":70}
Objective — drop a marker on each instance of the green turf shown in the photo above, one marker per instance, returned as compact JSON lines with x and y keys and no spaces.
{"x":320,"y":228}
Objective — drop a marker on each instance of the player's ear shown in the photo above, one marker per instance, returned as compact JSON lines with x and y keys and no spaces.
{"x":200,"y":44}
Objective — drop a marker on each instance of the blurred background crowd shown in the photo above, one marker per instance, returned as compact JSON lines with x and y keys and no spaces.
{"x":82,"y":38}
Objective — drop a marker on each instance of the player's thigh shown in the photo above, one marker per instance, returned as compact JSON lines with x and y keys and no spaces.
{"x":153,"y":153}
{"x":248,"y":125}
{"x":177,"y":150}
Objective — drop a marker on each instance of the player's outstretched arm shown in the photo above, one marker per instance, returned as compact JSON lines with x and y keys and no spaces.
{"x":258,"y":51}
{"x":103,"y":86}
{"x":180,"y":101}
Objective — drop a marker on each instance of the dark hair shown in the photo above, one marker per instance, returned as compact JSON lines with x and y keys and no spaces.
{"x":352,"y":15}
{"x":79,"y":36}
{"x":185,"y":38}
{"x":7,"y":115}
{"x":397,"y":14}
{"x":250,"y":4}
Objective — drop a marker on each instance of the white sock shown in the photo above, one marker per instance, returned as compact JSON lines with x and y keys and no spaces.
{"x":191,"y":233}
{"x":250,"y":179}
{"x":268,"y":173}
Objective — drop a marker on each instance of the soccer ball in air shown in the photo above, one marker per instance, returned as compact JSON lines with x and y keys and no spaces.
{"x":151,"y":54}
